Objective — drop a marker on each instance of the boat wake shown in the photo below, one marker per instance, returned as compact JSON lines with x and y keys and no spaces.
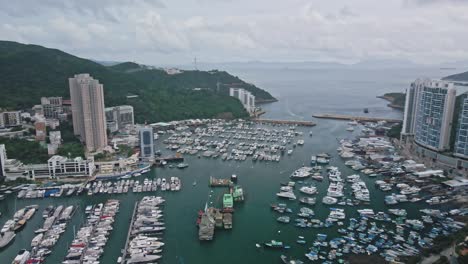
{"x":290,"y":112}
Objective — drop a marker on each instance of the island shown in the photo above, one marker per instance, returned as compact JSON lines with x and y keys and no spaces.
{"x":397,"y":100}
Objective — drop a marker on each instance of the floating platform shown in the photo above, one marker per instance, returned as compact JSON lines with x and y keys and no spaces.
{"x":220,"y":182}
{"x":357,"y":118}
{"x":284,"y":122}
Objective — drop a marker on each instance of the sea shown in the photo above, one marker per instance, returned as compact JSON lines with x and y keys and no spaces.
{"x":301,"y":93}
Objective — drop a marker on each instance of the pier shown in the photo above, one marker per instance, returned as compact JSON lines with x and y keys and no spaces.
{"x":284,"y":122}
{"x":357,"y":118}
{"x":124,"y":253}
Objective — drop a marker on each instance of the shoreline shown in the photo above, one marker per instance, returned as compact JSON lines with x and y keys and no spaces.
{"x":391,"y":99}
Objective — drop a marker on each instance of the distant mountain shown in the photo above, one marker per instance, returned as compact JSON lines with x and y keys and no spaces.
{"x":461,"y":77}
{"x":29,"y":72}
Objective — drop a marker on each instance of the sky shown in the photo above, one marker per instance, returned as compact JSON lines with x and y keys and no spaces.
{"x":161,"y":32}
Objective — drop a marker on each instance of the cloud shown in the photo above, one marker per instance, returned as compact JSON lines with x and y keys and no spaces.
{"x":175,"y":31}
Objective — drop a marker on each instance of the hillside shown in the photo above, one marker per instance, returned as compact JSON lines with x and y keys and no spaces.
{"x":397,"y":100}
{"x":461,"y":77}
{"x":30,"y":72}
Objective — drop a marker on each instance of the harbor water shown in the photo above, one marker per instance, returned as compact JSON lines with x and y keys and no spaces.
{"x":301,"y":94}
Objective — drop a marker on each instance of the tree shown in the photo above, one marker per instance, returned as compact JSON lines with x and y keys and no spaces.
{"x":71,"y":150}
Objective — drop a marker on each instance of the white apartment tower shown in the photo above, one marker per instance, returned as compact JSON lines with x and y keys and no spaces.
{"x":245,"y":97}
{"x":431,"y":120}
{"x":89,"y":119}
{"x":3,"y":158}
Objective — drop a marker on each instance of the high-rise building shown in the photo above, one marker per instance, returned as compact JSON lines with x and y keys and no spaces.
{"x":118,"y":117}
{"x":10,"y":119}
{"x":434,"y":114}
{"x":41,"y":131}
{"x":3,"y":158}
{"x":52,"y":106}
{"x":245,"y":97}
{"x":461,"y":140}
{"x":412,"y":97}
{"x":146,"y":142}
{"x":89,"y":119}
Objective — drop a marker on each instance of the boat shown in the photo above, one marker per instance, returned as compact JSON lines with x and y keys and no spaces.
{"x":329,"y":200}
{"x":234,"y":177}
{"x":36,"y":240}
{"x":6,"y":238}
{"x":288,"y":195}
{"x":20,"y":224}
{"x":283,"y":219}
{"x":307,"y":200}
{"x":308,"y":190}
{"x":350,"y":129}
{"x":182,"y":165}
{"x":22,"y":257}
{"x":274,"y":244}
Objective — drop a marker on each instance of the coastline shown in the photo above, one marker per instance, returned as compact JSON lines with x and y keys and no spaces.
{"x":265,"y":101}
{"x":391,"y":99}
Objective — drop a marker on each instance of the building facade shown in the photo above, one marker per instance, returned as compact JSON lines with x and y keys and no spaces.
{"x":10,"y":119}
{"x":89,"y":120}
{"x":118,"y":117}
{"x":52,"y":107}
{"x":461,"y":140}
{"x":41,"y":131}
{"x":245,"y":97}
{"x":411,"y":102}
{"x":59,"y":166}
{"x":2,"y":161}
{"x":146,"y":142}
{"x":434,"y":114}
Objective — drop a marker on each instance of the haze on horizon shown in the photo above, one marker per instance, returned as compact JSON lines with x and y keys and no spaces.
{"x":174,"y":32}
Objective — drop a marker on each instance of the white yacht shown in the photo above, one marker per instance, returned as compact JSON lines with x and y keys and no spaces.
{"x":308,"y":189}
{"x":22,"y":257}
{"x":288,"y":195}
{"x":329,"y":200}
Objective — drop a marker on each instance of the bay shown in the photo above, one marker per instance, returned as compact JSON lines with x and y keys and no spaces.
{"x":301,"y":93}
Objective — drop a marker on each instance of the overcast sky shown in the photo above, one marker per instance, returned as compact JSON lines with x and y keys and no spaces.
{"x":175,"y":31}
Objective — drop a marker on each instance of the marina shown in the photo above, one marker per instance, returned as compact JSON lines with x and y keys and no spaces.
{"x":256,"y":221}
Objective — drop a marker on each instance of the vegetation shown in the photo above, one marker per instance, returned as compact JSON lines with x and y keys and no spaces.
{"x":462,"y":77}
{"x":26,"y":151}
{"x":397,"y":100}
{"x":38,"y":71}
{"x":395,"y":131}
{"x":71,"y":150}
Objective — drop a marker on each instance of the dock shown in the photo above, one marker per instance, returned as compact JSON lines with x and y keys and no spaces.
{"x":356,"y":118}
{"x":284,"y":122}
{"x":124,"y":252}
{"x":220,"y":182}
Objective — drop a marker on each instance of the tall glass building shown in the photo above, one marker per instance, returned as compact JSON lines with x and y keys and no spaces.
{"x":461,"y":140}
{"x":146,"y":142}
{"x":411,"y":102}
{"x":434,"y":114}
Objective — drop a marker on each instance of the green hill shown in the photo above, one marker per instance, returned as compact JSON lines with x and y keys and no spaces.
{"x":461,"y":77}
{"x":29,"y":72}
